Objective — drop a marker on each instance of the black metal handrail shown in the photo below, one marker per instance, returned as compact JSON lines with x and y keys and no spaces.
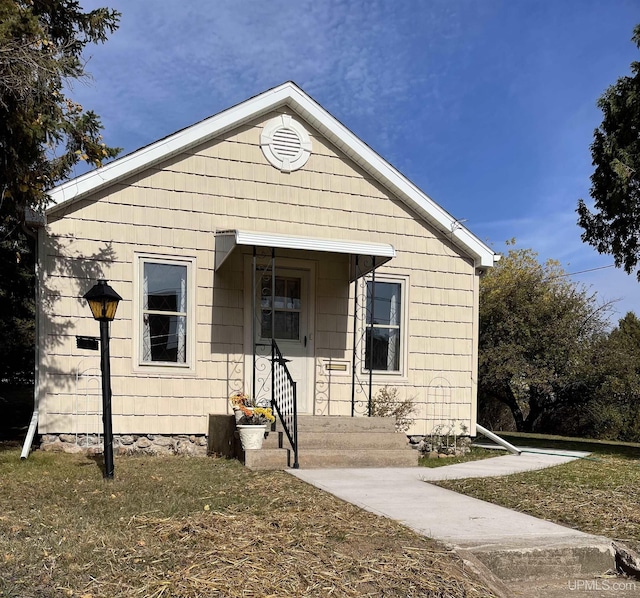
{"x":283,"y":398}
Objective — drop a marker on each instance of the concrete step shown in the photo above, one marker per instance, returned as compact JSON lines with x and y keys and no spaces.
{"x":351,"y":440}
{"x":332,"y":458}
{"x":581,"y":560}
{"x":339,"y":440}
{"x":340,"y":423}
{"x":554,"y":584}
{"x":276,"y":439}
{"x":267,"y":459}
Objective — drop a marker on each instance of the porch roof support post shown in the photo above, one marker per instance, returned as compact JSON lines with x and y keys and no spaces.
{"x":273,"y":293}
{"x":273,"y":328}
{"x":253,"y":323}
{"x":370,"y":331}
{"x":355,"y":332}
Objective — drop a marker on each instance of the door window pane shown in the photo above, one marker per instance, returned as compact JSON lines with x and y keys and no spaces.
{"x":293,"y":293}
{"x":287,"y":325}
{"x":287,"y":303}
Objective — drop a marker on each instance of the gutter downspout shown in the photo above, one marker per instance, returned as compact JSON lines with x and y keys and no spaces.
{"x":501,"y":441}
{"x":33,"y":425}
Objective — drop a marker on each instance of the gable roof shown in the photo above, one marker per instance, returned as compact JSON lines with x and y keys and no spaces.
{"x":290,"y":95}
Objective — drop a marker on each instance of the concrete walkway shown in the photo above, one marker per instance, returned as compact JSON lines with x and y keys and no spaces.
{"x":497,"y":536}
{"x":456,"y":519}
{"x":529,"y":460}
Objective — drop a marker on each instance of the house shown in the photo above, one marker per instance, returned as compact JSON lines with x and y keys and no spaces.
{"x":268,"y":220}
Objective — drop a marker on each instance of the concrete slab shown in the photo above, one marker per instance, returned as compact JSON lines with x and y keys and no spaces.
{"x":510,"y":544}
{"x":529,"y":460}
{"x":402,"y":494}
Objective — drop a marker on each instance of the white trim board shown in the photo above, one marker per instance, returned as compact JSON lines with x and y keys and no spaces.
{"x":291,"y":95}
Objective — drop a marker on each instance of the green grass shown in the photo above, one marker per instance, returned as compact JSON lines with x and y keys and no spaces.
{"x":597,"y":495}
{"x":192,"y":527}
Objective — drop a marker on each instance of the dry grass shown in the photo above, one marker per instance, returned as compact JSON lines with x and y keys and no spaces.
{"x":193,"y":527}
{"x":597,"y":495}
{"x":475,"y":454}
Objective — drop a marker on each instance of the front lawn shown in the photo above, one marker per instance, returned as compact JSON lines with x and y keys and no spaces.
{"x":597,"y":495}
{"x":194,"y":527}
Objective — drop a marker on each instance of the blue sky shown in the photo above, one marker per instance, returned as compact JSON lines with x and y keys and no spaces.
{"x":489,"y":106}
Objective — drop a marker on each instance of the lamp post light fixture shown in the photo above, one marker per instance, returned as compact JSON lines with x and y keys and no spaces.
{"x":103,"y":301}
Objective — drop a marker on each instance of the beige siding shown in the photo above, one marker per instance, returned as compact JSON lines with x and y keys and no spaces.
{"x":173,"y":210}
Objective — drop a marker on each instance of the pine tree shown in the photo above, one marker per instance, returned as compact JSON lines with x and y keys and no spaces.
{"x":614,"y":225}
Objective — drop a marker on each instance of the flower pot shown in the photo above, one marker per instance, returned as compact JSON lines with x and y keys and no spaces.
{"x":252,"y":436}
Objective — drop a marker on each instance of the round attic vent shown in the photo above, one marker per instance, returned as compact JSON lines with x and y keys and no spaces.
{"x":285,"y":143}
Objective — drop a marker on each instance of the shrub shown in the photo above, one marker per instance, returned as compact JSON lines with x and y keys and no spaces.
{"x":385,"y":403}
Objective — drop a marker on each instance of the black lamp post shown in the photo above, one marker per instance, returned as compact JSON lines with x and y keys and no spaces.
{"x":103,"y":301}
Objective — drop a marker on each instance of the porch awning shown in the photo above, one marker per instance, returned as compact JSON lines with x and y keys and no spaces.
{"x":368,"y":255}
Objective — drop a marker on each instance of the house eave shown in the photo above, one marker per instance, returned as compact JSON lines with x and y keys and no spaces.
{"x":292,"y":96}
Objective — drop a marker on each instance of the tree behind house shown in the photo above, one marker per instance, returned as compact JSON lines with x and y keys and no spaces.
{"x":613,"y":409}
{"x":537,"y":331}
{"x":613,"y":227}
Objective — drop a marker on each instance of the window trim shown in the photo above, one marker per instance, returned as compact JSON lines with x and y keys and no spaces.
{"x":166,"y":367}
{"x":403,"y":281}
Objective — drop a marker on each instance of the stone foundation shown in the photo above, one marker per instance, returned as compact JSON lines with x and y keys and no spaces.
{"x":441,"y":446}
{"x":127,"y":444}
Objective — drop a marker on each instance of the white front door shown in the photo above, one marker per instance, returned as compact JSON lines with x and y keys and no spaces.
{"x":290,"y":319}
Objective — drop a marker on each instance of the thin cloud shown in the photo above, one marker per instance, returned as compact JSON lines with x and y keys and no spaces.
{"x":489,"y":107}
{"x":166,"y":68}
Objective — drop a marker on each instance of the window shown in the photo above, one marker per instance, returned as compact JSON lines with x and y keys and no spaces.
{"x":383,"y":348}
{"x":165,"y":311}
{"x":287,"y":304}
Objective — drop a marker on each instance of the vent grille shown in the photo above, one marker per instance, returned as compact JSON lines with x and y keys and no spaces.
{"x":286,"y":143}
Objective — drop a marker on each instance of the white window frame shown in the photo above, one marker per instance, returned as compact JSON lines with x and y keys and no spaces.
{"x":403,"y":281}
{"x":166,"y":367}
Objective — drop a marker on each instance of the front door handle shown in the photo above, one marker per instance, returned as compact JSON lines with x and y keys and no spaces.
{"x":305,"y":340}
